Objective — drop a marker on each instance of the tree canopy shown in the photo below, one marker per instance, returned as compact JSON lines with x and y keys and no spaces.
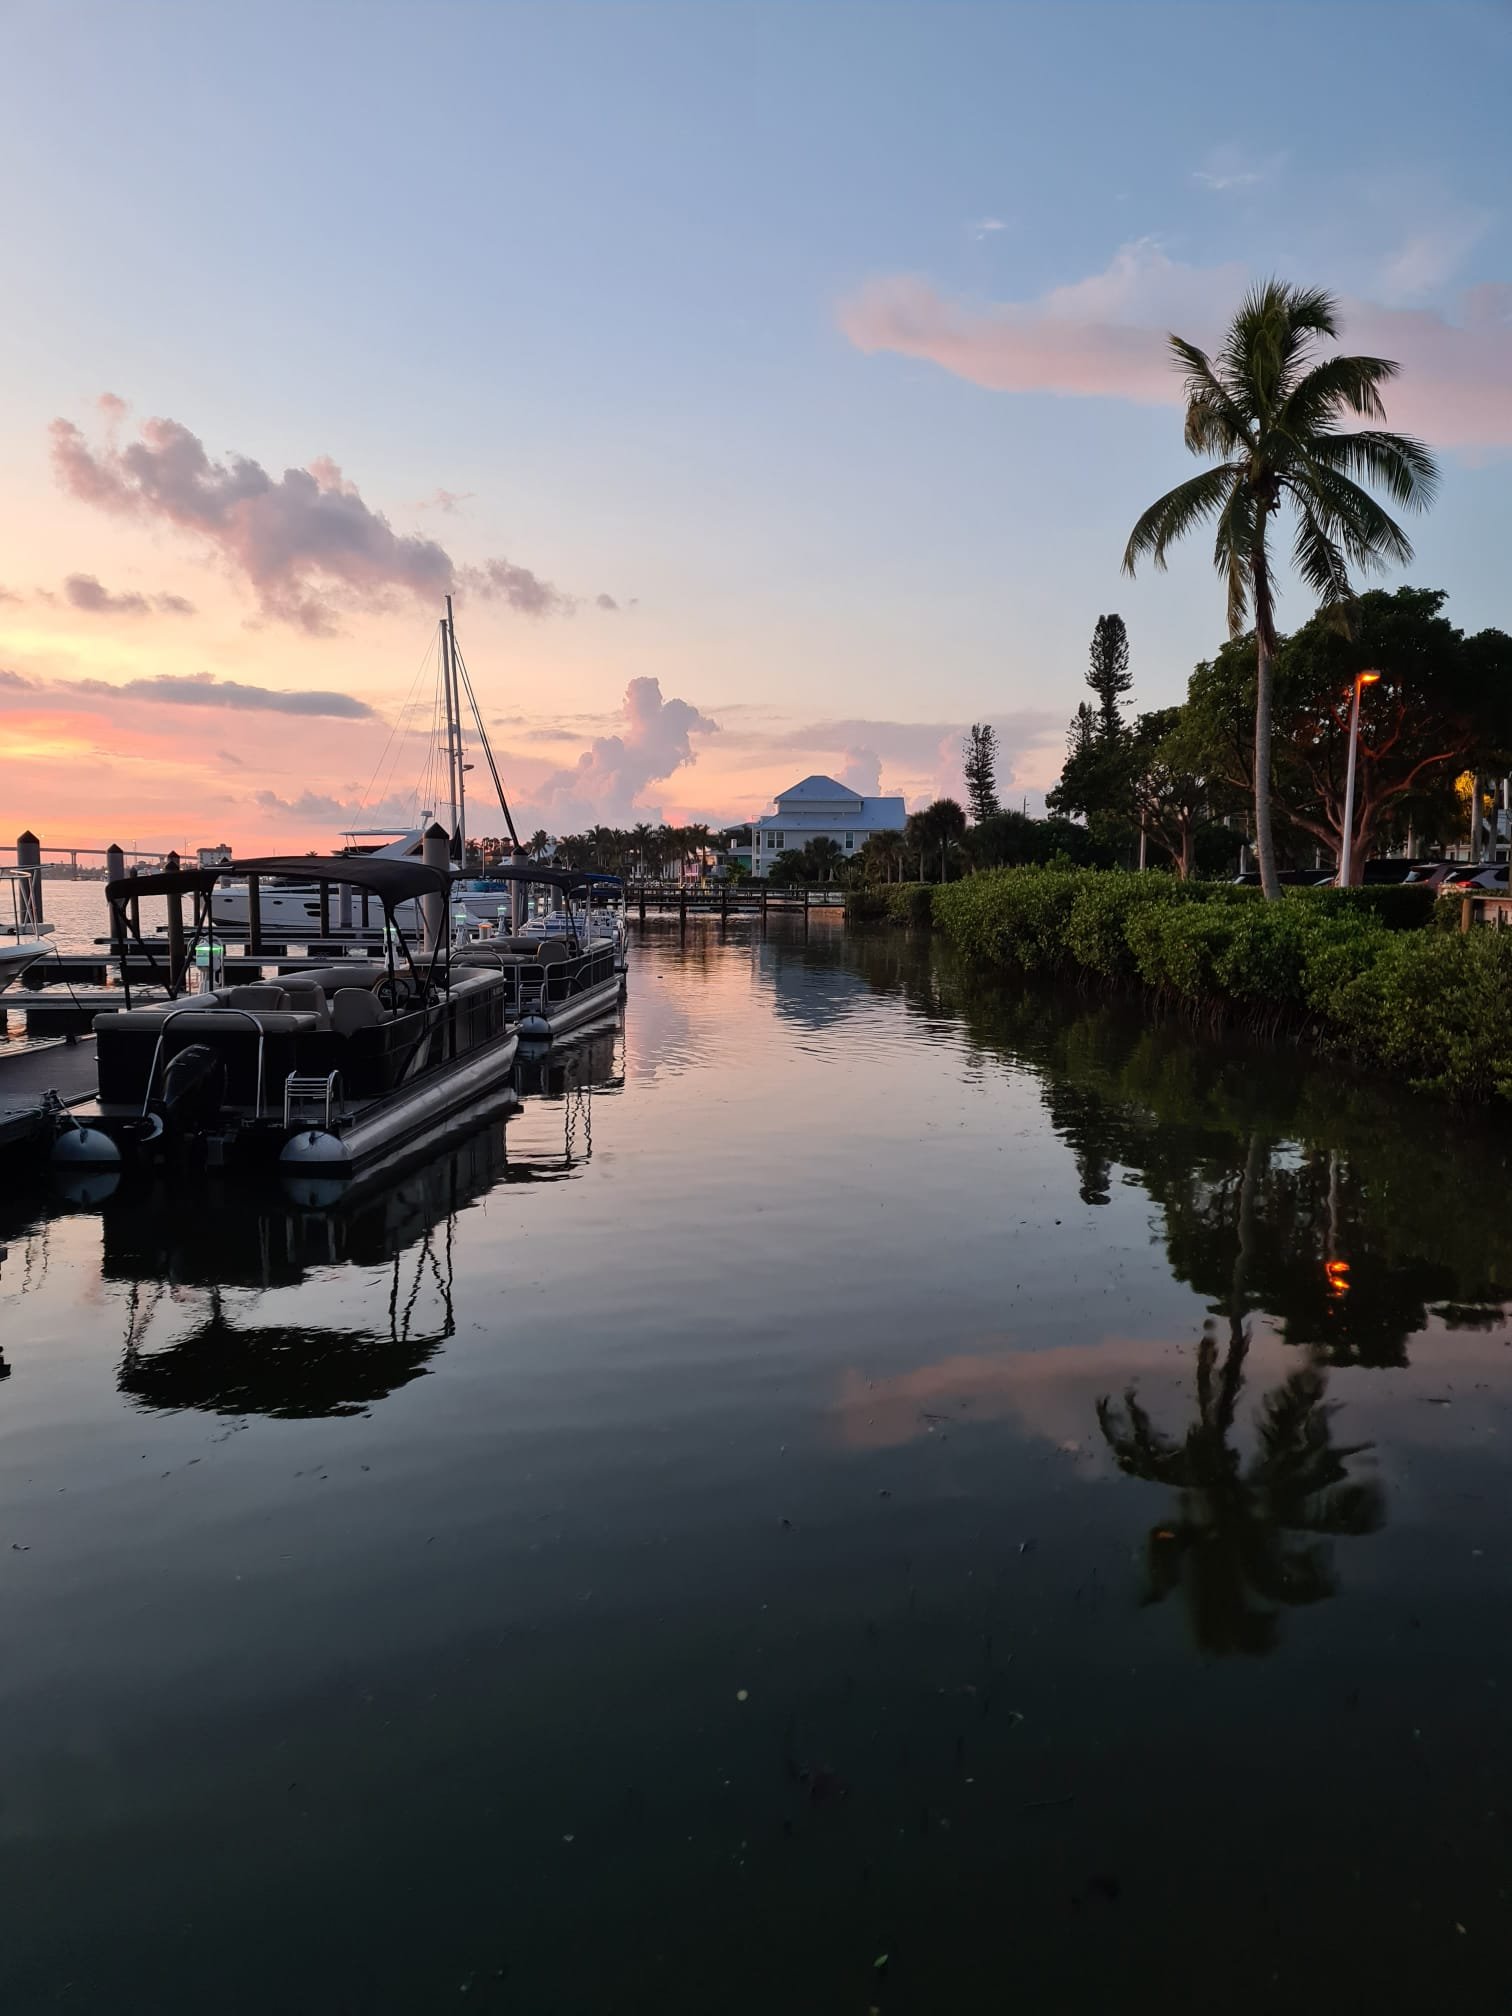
{"x":1442,"y":705}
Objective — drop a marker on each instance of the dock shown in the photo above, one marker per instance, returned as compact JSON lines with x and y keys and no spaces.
{"x":28,"y":1076}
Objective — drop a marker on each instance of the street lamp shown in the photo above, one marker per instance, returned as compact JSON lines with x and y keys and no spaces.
{"x":1362,"y":680}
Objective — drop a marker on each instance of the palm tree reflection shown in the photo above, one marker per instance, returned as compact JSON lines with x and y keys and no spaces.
{"x":1246,"y":1540}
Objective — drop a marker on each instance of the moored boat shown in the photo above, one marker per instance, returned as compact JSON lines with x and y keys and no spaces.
{"x":334,"y":1068}
{"x":563,"y":972}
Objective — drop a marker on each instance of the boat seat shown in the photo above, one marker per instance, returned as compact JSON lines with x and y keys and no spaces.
{"x":257,"y":994}
{"x":208,"y":1021}
{"x":310,"y":996}
{"x":352,"y":973}
{"x":355,"y":1008}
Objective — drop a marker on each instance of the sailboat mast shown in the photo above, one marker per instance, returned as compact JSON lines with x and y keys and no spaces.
{"x":457,"y":768}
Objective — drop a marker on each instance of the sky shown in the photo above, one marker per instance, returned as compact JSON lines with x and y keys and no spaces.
{"x":773,"y":386}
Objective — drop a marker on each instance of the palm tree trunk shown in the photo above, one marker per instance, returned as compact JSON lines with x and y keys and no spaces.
{"x":1265,"y":644}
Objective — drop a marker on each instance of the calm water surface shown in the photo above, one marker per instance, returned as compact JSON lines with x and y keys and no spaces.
{"x":868,"y":1491}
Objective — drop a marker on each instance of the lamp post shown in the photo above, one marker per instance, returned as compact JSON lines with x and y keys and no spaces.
{"x":1362,"y":680}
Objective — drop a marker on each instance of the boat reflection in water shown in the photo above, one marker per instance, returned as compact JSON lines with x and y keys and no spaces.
{"x":564,"y":1077}
{"x":225,"y":1263}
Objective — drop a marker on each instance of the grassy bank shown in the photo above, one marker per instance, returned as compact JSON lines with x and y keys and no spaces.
{"x":1371,"y":974}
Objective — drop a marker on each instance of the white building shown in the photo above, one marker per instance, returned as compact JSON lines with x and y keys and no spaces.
{"x":821,"y":806}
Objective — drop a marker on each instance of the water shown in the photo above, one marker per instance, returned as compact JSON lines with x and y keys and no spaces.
{"x":670,"y":1553}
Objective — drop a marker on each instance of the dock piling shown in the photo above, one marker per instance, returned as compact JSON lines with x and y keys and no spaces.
{"x":29,"y":855}
{"x":176,"y":974}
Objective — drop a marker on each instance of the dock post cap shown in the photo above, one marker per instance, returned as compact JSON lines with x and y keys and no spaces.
{"x":28,"y":838}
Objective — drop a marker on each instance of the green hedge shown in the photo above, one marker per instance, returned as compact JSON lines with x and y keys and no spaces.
{"x":1357,"y":969}
{"x":894,"y":902}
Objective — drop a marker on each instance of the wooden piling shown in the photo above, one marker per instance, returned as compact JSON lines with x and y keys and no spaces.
{"x":176,"y":975}
{"x":29,"y":855}
{"x":115,"y":870}
{"x":254,"y":915}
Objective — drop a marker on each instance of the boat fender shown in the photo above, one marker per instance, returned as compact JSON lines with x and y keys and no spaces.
{"x":79,"y":1147}
{"x":313,"y":1148}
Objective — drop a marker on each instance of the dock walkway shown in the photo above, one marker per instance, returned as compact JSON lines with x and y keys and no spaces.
{"x":28,"y":1074}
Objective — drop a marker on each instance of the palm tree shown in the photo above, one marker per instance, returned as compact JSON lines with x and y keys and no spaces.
{"x":642,"y":837}
{"x":672,"y":849}
{"x":1273,"y":412}
{"x":698,"y":840}
{"x":824,"y":857}
{"x":942,"y":825}
{"x":538,"y":844}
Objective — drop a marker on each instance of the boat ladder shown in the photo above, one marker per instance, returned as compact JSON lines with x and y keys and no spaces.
{"x":324,"y":1092}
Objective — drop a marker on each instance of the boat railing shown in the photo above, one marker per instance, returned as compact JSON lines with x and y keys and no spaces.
{"x":307,"y":1091}
{"x":198,"y":1007}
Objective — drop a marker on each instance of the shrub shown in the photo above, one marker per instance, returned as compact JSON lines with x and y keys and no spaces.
{"x":1400,"y":906}
{"x":910,"y":903}
{"x":1354,"y":965}
{"x":865,"y":906}
{"x":1097,"y":930}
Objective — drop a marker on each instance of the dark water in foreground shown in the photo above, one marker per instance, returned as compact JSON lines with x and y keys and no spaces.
{"x":862,"y":1464}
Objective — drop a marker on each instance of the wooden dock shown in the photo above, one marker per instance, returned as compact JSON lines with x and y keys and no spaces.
{"x":29,"y":1076}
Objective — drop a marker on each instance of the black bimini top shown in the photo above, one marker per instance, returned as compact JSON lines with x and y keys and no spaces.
{"x":389,"y":880}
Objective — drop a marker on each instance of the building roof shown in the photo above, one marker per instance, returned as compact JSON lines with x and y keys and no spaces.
{"x":822,"y":788}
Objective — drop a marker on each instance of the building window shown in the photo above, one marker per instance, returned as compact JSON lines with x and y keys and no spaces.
{"x":781,"y":842}
{"x":850,"y":839}
{"x":771,"y":841}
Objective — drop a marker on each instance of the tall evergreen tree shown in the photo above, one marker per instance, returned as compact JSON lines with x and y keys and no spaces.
{"x":1108,"y":674}
{"x":1081,"y":736}
{"x":979,"y":764}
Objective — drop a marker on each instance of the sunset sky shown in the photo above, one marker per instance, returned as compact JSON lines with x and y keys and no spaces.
{"x":773,"y":385}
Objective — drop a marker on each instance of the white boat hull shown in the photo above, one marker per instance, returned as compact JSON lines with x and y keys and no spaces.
{"x":14,"y":959}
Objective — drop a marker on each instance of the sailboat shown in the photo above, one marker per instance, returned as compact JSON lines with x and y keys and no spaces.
{"x":507,"y":904}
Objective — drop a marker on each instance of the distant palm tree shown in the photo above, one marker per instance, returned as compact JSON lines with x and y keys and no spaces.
{"x":1274,"y":414}
{"x":941,"y":826}
{"x":539,"y":844}
{"x":698,"y":840}
{"x":824,"y":857}
{"x":881,"y":854}
{"x":642,"y":838}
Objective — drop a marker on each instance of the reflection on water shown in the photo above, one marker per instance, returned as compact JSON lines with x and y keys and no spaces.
{"x":1244,"y":1539}
{"x":694,"y":1536}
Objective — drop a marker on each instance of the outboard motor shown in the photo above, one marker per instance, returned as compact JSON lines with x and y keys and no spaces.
{"x":194,"y":1087}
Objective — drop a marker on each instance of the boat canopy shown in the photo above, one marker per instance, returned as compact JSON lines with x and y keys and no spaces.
{"x":389,"y":880}
{"x":392,"y":881}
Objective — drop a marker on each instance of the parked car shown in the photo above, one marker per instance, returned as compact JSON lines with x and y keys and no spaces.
{"x":1470,"y":875}
{"x":1432,"y":873}
{"x":1289,"y":878}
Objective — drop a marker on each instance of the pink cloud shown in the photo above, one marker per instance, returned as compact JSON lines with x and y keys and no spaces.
{"x":305,"y":543}
{"x":606,"y":782}
{"x":1105,"y":337}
